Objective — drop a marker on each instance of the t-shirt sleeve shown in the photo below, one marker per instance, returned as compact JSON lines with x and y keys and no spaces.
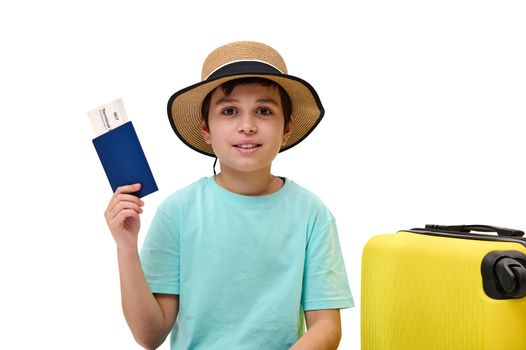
{"x":160,"y":254}
{"x":325,"y":284}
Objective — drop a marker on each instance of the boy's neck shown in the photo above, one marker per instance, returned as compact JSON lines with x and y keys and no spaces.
{"x":249,"y":184}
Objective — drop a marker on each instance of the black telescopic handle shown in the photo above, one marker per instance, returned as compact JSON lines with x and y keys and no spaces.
{"x":501,"y":231}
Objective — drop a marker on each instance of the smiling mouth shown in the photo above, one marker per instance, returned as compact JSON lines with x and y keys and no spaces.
{"x":248,"y":145}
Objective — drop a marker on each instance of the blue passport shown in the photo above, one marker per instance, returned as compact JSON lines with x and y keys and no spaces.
{"x":123,"y":159}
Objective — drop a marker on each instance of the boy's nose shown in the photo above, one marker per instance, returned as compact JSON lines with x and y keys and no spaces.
{"x":247,"y":124}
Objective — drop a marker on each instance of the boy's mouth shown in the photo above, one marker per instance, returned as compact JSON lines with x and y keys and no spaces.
{"x":247,"y":145}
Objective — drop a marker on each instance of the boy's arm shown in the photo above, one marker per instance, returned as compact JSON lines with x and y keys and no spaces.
{"x":150,"y":317}
{"x":323,"y":331}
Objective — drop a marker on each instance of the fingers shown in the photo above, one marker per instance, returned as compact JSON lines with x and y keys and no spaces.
{"x":123,"y":200}
{"x":123,"y":216}
{"x":125,"y":205}
{"x":128,"y":188}
{"x":123,"y":192}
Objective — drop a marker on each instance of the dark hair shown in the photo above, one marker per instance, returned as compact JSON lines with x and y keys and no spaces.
{"x":286,"y":103}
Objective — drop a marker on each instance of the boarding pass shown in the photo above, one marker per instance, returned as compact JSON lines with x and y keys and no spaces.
{"x":108,"y":117}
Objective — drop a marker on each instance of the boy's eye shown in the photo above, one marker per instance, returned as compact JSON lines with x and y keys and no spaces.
{"x":264,"y":111}
{"x":228,"y":111}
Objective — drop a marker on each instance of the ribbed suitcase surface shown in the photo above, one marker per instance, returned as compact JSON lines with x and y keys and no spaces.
{"x":424,"y":289}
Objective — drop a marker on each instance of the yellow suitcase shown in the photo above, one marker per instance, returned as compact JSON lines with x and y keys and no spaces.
{"x":444,"y":288}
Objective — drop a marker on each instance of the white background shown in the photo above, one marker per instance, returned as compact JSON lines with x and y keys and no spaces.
{"x":425,"y":103}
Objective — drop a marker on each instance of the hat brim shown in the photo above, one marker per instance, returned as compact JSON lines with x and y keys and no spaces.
{"x":184,"y":109}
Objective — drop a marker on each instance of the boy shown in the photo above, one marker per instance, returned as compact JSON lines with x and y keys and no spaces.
{"x":238,"y":260}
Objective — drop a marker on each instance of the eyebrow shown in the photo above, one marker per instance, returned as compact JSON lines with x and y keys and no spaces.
{"x":268,"y":100}
{"x":261,"y":100}
{"x":226,"y":100}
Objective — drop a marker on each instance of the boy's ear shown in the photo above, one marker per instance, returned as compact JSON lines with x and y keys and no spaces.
{"x":205,"y":132}
{"x":286,"y":134}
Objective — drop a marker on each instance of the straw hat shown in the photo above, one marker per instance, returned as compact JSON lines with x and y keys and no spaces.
{"x":239,"y":60}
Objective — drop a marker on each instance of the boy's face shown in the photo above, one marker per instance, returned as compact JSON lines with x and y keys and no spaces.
{"x":246,"y":128}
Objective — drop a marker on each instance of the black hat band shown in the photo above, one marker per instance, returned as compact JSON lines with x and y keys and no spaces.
{"x":244,"y":67}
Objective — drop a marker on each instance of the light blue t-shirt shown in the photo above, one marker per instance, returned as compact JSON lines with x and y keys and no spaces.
{"x":245,"y":267}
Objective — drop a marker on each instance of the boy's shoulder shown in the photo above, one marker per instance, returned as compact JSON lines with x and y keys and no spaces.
{"x":305,"y":194}
{"x":308,"y":201}
{"x":185,"y":193}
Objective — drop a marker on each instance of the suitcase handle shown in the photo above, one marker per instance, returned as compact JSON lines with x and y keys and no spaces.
{"x":501,"y":231}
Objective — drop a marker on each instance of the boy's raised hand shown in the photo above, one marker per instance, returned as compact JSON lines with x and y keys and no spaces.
{"x":122,"y":216}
